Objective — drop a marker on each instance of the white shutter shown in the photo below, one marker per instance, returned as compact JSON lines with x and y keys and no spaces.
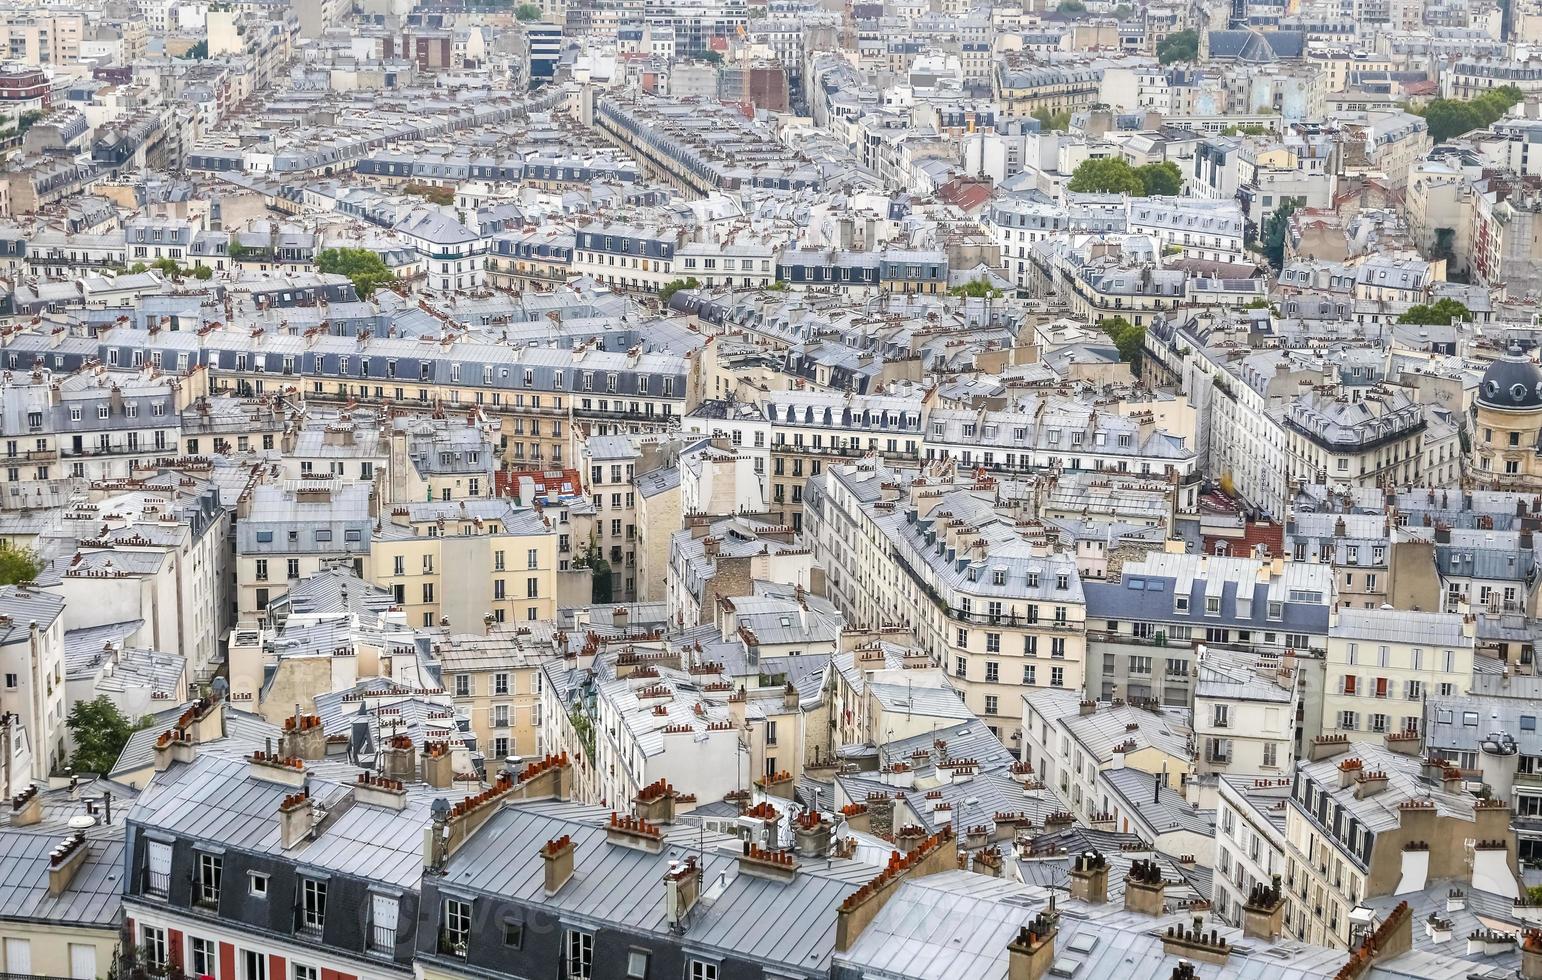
{"x":383,"y":911}
{"x":160,"y":858}
{"x":18,"y":957}
{"x":82,"y":961}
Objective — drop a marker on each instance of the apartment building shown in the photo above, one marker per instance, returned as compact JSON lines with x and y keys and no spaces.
{"x":1046,"y":432}
{"x":1001,"y":616}
{"x":32,"y":684}
{"x":40,"y":38}
{"x":1145,"y":629}
{"x":495,"y":679}
{"x":1364,"y":821}
{"x":812,"y":430}
{"x":287,"y":531}
{"x":1070,"y":742}
{"x":466,"y":564}
{"x":534,"y":394}
{"x":611,"y":463}
{"x":1249,"y":840}
{"x":439,"y":459}
{"x":1381,"y":665}
{"x":1245,"y":711}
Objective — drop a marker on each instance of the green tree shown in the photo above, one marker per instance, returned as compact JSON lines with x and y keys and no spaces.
{"x":527,"y":12}
{"x":167,"y":267}
{"x":197,"y":52}
{"x":138,"y":267}
{"x":1444,"y":247}
{"x":1161,"y":178}
{"x":365,"y":268}
{"x":29,"y":119}
{"x":1128,"y":338}
{"x":18,"y":565}
{"x":1441,"y":311}
{"x":712,"y":57}
{"x":977,"y":289}
{"x":1450,"y":118}
{"x":203,"y":272}
{"x":1071,"y":7}
{"x":675,"y":285}
{"x":1275,"y":229}
{"x":1178,"y":46}
{"x":1052,"y":121}
{"x":1108,"y":175}
{"x":236,"y":250}
{"x":100,"y":731}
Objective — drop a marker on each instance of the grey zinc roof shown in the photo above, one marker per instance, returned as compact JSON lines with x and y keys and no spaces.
{"x":93,"y":896}
{"x":792,"y":924}
{"x":215,"y":799}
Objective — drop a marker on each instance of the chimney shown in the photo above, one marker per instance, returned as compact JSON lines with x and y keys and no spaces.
{"x":1195,"y":943}
{"x":26,"y":807}
{"x":382,"y":791}
{"x":655,"y":803}
{"x":303,"y":737}
{"x":1144,"y":889}
{"x":759,"y":862}
{"x":557,"y":855}
{"x":1370,"y":783}
{"x":1263,"y":914}
{"x":438,"y":766}
{"x":639,"y":835}
{"x":1349,"y":771}
{"x":1031,"y":954}
{"x":64,"y":861}
{"x":682,"y":886}
{"x":1327,"y":746}
{"x":811,"y":835}
{"x":271,"y":768}
{"x":1089,"y":878}
{"x":397,"y":758}
{"x":779,"y":785}
{"x":1087,"y":707}
{"x":173,"y":746}
{"x":295,"y":818}
{"x":1531,"y":955}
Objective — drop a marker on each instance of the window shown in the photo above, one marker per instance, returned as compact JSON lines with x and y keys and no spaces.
{"x":500,"y":683}
{"x":254,"y":965}
{"x":992,"y":671}
{"x":1222,"y":716}
{"x":382,"y":922}
{"x":457,"y":927}
{"x":209,"y":867}
{"x":303,"y":972}
{"x":991,"y":704}
{"x":578,"y":960}
{"x":636,"y":964}
{"x":154,"y":940}
{"x":158,"y":857}
{"x":313,"y":907}
{"x":702,"y":970}
{"x":463,"y":685}
{"x":1271,"y":755}
{"x":256,"y":884}
{"x":513,"y":934}
{"x":201,"y":952}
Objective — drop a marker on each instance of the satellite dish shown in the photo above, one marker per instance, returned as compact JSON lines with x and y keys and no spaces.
{"x":220,"y":686}
{"x":82,"y":822}
{"x":440,"y":809}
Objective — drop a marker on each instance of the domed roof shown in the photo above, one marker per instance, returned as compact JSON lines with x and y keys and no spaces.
{"x":1512,"y":383}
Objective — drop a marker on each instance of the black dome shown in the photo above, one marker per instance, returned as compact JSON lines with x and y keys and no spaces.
{"x":1512,"y":383}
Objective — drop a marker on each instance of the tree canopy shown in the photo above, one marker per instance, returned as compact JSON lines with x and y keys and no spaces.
{"x":365,"y":268}
{"x":1108,"y":175}
{"x":1161,"y":178}
{"x":675,"y":285}
{"x":527,"y":12}
{"x":1178,"y":46}
{"x":1450,"y":118}
{"x":100,"y":731}
{"x":1276,"y":226}
{"x":1441,"y":311}
{"x":1127,"y":337}
{"x":1111,"y":175}
{"x":18,"y":565}
{"x":977,"y":289}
